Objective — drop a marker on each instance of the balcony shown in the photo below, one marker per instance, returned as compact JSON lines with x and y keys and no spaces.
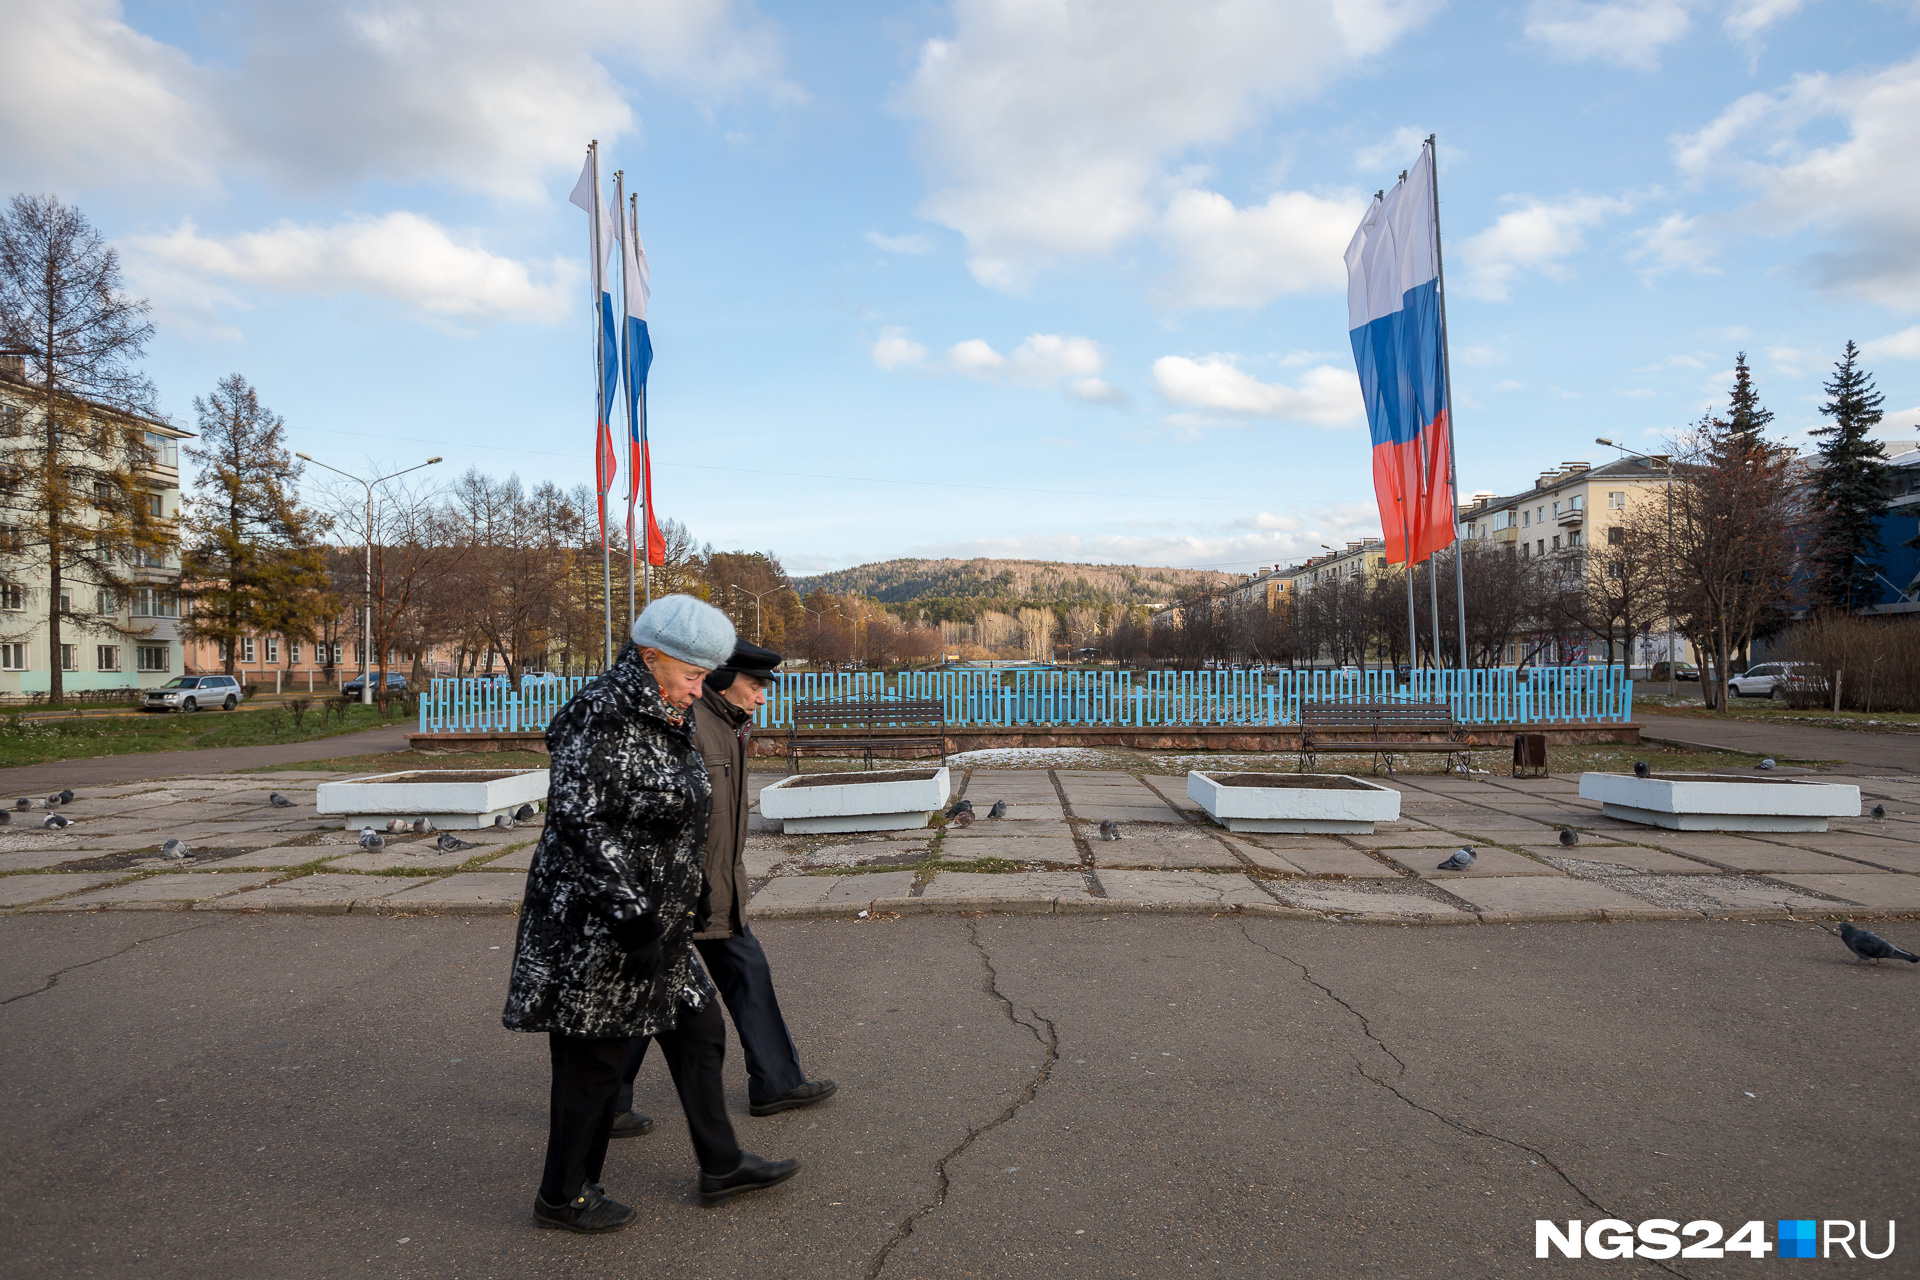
{"x":1571,"y":518}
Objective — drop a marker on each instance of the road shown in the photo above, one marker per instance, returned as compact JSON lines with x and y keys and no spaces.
{"x":1883,"y":752}
{"x":107,"y":770}
{"x":220,"y":1096}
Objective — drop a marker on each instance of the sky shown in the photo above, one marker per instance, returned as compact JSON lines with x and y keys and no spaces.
{"x":1059,"y":280}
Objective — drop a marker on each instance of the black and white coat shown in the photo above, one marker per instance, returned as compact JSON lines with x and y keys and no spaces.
{"x":626,"y":832}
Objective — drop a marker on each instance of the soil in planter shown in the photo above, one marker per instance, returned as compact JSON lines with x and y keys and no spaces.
{"x":1287,"y":781}
{"x":857,"y":779}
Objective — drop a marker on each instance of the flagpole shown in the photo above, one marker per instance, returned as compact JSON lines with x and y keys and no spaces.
{"x":1446,"y":372}
{"x":599,"y":398}
{"x":626,"y":370}
{"x":642,"y":465}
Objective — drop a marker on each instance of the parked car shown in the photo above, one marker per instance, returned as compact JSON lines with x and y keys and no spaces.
{"x":1680,"y":671}
{"x":1768,"y":679}
{"x":396,"y":683}
{"x":194,"y":693}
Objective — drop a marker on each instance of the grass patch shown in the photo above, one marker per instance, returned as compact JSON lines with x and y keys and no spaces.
{"x":1772,"y":711}
{"x":396,"y":761}
{"x":26,"y":741}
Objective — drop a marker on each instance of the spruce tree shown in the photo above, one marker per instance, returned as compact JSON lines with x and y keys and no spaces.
{"x":1746,"y":418}
{"x":1848,"y":496}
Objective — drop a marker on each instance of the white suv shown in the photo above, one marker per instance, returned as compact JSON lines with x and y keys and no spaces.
{"x":1768,"y":679}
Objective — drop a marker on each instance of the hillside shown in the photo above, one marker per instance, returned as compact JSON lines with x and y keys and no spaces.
{"x":963,"y":588}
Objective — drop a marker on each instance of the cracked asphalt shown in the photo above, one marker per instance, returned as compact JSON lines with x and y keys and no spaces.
{"x":1142,"y":1095}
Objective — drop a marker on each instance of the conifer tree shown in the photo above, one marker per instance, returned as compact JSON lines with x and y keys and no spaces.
{"x":1746,"y":419}
{"x":1849,"y":491}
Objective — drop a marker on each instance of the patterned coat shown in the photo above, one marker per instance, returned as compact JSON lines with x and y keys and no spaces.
{"x":626,"y":834}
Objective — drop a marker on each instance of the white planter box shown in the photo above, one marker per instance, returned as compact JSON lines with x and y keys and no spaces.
{"x":1711,"y":802}
{"x":1293,"y":802}
{"x":888,"y":800}
{"x":454,"y":799}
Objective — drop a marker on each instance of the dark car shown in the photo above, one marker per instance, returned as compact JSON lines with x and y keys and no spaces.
{"x":1679,"y":671}
{"x":194,"y":693}
{"x":396,"y":683}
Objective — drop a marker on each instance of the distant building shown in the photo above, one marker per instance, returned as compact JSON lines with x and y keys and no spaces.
{"x":1899,"y":574}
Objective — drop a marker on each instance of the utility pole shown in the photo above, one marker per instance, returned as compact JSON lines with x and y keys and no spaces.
{"x":756,"y":607}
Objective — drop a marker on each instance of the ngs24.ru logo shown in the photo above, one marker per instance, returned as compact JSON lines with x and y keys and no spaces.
{"x":1658,"y":1238}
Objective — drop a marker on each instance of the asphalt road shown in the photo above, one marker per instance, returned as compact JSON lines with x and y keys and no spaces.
{"x":296,"y":1096}
{"x":1879,"y":752}
{"x":109,"y":770}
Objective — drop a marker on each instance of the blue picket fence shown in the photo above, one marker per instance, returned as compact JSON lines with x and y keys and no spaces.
{"x":1121,"y":699}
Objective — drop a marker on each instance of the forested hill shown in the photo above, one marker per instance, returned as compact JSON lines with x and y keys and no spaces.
{"x":962,"y":588}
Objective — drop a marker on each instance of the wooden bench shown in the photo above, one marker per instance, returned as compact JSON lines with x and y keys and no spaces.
{"x":1327,"y":728}
{"x":867,"y":725}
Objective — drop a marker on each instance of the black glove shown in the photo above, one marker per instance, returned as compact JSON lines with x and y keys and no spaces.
{"x":703,"y":909}
{"x":639,"y":937}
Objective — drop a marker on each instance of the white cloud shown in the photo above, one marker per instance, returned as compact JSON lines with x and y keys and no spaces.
{"x":1232,"y":257}
{"x":1904,"y":345}
{"x":1861,"y":188}
{"x":1044,"y":360}
{"x":1047,"y":130}
{"x":895,"y":350}
{"x":1393,"y":153}
{"x":1535,"y":237}
{"x":489,"y":95}
{"x":1675,"y":243}
{"x":975,"y":358}
{"x":1098,"y":391}
{"x":402,"y":256}
{"x":909,"y":244}
{"x":1326,"y":396}
{"x":1508,"y":384}
{"x":1747,"y":19}
{"x":1624,"y":33}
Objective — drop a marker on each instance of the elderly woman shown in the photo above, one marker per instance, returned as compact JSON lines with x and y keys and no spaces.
{"x":613,"y":900}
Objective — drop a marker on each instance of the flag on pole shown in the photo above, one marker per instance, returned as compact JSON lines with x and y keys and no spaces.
{"x":586,"y":194}
{"x":1393,"y":317}
{"x":638,"y":360}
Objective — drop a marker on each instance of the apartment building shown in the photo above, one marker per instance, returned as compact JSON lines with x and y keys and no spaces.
{"x":110,"y":639}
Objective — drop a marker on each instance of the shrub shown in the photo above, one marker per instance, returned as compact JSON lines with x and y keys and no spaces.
{"x":1875,"y":662}
{"x":299,"y":707}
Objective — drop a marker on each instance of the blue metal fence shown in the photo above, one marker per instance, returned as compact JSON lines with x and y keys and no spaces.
{"x":1121,"y":699}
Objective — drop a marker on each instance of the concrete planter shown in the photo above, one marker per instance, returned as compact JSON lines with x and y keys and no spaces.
{"x":1712,"y":802}
{"x":889,"y":800}
{"x":1293,"y":802}
{"x":454,"y":799}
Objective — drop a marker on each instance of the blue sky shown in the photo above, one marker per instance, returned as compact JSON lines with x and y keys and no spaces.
{"x":1059,"y":280}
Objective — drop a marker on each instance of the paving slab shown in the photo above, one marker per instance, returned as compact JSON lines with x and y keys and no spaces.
{"x":1760,"y":857}
{"x":1183,"y":891}
{"x":1161,"y":848}
{"x":1488,"y":861}
{"x":320,"y":894}
{"x":866,"y":853}
{"x":1360,"y":904}
{"x":163,"y":892}
{"x":827,"y":895}
{"x":1882,"y":891}
{"x":412,"y":856}
{"x":1649,"y":861}
{"x":1174,"y":791}
{"x":473,"y":893}
{"x":1888,"y":856}
{"x":38,"y":859}
{"x":1329,"y":859}
{"x":1022,"y":891}
{"x":16,"y":891}
{"x":1512,"y":898}
{"x":1266,"y":859}
{"x":266,"y":859}
{"x":1002,"y":828}
{"x":522,"y":860}
{"x":1055,"y":848}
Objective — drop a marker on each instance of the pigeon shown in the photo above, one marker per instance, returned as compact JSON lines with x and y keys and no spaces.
{"x":1765,"y":764}
{"x":66,"y":796}
{"x":1641,"y":769}
{"x":1871,"y":946}
{"x":524,"y":812}
{"x":423,"y":826}
{"x":450,"y":843}
{"x":504,"y":822}
{"x":396,"y":826}
{"x":372,"y":841}
{"x":964,"y":818}
{"x":175,"y":849}
{"x":1569,"y":837}
{"x":1462,"y":859}
{"x":23,"y":804}
{"x":52,"y":801}
{"x":1878,"y":813}
{"x":959,"y":807}
{"x":6,"y":816}
{"x":279,"y":801}
{"x":1109,"y":829}
{"x":55,"y":821}
{"x":999,"y":809}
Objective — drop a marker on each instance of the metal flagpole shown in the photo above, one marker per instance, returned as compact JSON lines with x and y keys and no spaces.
{"x":1446,"y":373}
{"x":626,"y":370}
{"x":599,"y":399}
{"x":642,"y":467}
{"x":1413,"y":633}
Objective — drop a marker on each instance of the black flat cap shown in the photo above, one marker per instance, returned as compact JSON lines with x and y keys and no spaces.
{"x":750,"y":659}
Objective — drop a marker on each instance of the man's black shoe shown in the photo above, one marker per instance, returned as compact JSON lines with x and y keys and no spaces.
{"x":805,"y":1096}
{"x":589,"y":1213}
{"x":631,"y":1124}
{"x":754,"y":1174}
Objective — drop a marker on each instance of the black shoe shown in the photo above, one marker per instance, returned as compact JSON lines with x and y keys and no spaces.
{"x":631,"y":1124}
{"x":805,"y":1096}
{"x":754,"y":1174}
{"x":589,"y":1213}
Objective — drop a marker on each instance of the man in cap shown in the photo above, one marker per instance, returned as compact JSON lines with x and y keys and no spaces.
{"x":723,"y":721}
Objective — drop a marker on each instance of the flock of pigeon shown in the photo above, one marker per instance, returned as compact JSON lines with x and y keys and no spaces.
{"x":52,"y":822}
{"x":374,"y":841}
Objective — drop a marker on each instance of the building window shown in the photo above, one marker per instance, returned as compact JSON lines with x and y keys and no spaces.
{"x":1556,"y":542}
{"x":102,"y":494}
{"x":12,"y":421}
{"x":1540,"y":546}
{"x":1616,"y":500}
{"x":156,"y":505}
{"x":1615,"y":535}
{"x":154,"y":602}
{"x":12,"y":538}
{"x":273,"y":651}
{"x":162,"y":450}
{"x":1573,"y":539}
{"x":293,"y":653}
{"x":152,"y":657}
{"x":246,"y":649}
{"x":13,"y":657}
{"x":69,"y":657}
{"x":1556,"y":509}
{"x":107,"y":656}
{"x":13,"y":596}
{"x":1526,"y":518}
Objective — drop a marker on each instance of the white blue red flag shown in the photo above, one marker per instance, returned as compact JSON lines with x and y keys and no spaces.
{"x":1394,"y":319}
{"x":600,"y":232}
{"x":637,"y":360}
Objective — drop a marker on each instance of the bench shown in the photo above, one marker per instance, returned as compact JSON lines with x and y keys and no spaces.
{"x":1327,"y":728}
{"x":868,"y":725}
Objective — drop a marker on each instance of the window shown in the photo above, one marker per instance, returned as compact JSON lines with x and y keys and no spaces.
{"x":107,"y":657}
{"x":155,"y":602}
{"x":1540,"y":515}
{"x":13,"y":657}
{"x":1540,"y":546}
{"x":12,"y":538}
{"x":102,"y":494}
{"x":1615,"y":572}
{"x":1526,"y":518}
{"x":246,"y":649}
{"x":293,"y":653}
{"x":12,"y":421}
{"x":1615,"y":535}
{"x":1574,"y":503}
{"x":1573,"y":539}
{"x":162,"y":450}
{"x":151,"y":558}
{"x":1556,"y":542}
{"x":156,"y":505}
{"x":106,"y":602}
{"x":152,"y":657}
{"x":66,"y":600}
{"x":273,"y":650}
{"x":69,"y":657}
{"x":221,"y":649}
{"x":1616,"y":500}
{"x":103,"y":550}
{"x":339,"y":654}
{"x":1556,"y":510}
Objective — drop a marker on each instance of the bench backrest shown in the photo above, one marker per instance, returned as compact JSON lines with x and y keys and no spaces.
{"x":870,"y":713}
{"x":1386,"y":715}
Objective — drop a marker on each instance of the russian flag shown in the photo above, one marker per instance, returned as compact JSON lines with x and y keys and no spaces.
{"x":1393,"y":317}
{"x":638,"y":345}
{"x":600,"y":236}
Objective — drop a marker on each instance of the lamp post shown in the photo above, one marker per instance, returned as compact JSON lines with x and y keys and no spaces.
{"x":1650,"y":463}
{"x":756,"y":607}
{"x":366,"y":617}
{"x":832,"y":608}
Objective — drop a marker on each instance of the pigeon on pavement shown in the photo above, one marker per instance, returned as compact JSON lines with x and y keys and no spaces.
{"x":23,"y":804}
{"x":6,"y":816}
{"x":423,"y":826}
{"x":1641,"y":769}
{"x":959,"y":807}
{"x":999,"y":809}
{"x":964,"y":818}
{"x":279,"y":801}
{"x":1569,"y":837}
{"x":372,"y":841}
{"x":450,"y":843}
{"x":66,"y":796}
{"x":1765,"y":764}
{"x":524,"y":812}
{"x":53,"y":801}
{"x":504,"y":822}
{"x":1461,"y":859}
{"x":1109,"y":829}
{"x":395,"y":826}
{"x":1871,"y":946}
{"x":175,"y":849}
{"x":55,"y":821}
{"x":1878,"y":813}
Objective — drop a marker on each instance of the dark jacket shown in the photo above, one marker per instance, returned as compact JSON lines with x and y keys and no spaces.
{"x":720,"y":730}
{"x":626,"y":824}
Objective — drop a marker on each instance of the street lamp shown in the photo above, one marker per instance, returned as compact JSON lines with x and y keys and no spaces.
{"x":366,"y":621}
{"x":756,"y":607}
{"x":1651,"y":462}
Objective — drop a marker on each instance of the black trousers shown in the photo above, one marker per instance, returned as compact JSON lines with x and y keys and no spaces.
{"x":586,"y":1084}
{"x":739,"y":968}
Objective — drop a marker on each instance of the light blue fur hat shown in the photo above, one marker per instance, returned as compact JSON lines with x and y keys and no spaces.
{"x":685,"y":628}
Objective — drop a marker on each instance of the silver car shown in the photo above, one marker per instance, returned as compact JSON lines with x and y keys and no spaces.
{"x":194,"y":693}
{"x":1768,"y":679}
